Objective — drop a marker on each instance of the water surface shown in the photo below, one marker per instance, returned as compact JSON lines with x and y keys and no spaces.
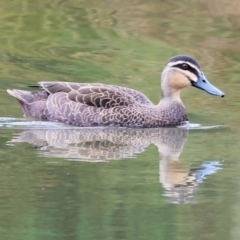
{"x":63,"y":182}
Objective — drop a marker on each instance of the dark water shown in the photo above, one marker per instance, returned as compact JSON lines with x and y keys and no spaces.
{"x":61,"y":182}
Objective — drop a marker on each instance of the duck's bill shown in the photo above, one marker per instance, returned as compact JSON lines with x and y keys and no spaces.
{"x":205,"y":85}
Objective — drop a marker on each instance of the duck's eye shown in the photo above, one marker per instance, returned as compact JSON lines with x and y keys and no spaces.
{"x":185,"y":66}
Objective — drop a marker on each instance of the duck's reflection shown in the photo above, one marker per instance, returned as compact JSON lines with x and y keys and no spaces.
{"x":104,"y":144}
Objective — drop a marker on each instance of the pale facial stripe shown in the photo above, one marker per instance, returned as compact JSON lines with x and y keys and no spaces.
{"x":189,"y":74}
{"x":172,"y":64}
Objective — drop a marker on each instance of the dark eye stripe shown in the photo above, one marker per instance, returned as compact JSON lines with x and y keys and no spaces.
{"x":190,"y":69}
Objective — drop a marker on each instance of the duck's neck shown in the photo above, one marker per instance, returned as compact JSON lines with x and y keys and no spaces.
{"x":170,"y":90}
{"x":171,"y":109}
{"x":170,"y":96}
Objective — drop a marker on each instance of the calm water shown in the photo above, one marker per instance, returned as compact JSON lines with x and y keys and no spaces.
{"x":62,"y":182}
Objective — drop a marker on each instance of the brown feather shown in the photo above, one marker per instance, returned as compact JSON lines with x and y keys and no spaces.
{"x":104,"y":97}
{"x":54,"y":87}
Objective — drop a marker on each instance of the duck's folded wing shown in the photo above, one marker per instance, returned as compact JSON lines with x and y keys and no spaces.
{"x":105,"y":97}
{"x":54,"y":87}
{"x":96,"y":96}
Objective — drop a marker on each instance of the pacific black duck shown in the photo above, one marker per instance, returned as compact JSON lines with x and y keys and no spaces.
{"x":88,"y":105}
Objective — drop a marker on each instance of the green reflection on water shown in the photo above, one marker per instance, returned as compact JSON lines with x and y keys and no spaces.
{"x":126,"y":44}
{"x":55,"y":198}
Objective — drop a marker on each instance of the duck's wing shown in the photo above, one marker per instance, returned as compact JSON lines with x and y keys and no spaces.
{"x":54,"y":87}
{"x":94,"y":96}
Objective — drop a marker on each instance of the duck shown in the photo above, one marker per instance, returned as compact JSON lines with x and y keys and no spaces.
{"x":97,"y":104}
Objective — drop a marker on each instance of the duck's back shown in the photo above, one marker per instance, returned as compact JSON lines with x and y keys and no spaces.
{"x":55,"y":87}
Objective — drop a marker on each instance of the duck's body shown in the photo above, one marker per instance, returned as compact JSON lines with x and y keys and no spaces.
{"x":97,"y":104}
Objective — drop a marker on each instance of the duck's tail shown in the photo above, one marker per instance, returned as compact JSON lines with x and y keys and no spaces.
{"x":33,"y":103}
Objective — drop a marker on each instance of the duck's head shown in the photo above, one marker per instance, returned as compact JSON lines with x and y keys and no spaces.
{"x":183,"y":71}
